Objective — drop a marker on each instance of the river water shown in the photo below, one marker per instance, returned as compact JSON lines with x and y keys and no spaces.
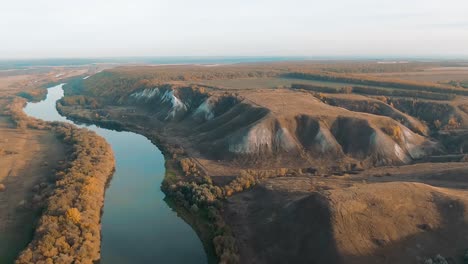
{"x":137,"y":224}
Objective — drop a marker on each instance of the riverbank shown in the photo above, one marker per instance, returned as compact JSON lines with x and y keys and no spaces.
{"x":134,"y":210}
{"x":194,"y":197}
{"x":29,"y":157}
{"x":69,"y":226}
{"x":201,"y":201}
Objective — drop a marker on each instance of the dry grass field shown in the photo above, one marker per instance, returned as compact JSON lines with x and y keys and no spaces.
{"x":436,"y":74}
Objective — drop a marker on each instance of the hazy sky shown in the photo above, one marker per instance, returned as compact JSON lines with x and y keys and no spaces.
{"x":99,"y":28}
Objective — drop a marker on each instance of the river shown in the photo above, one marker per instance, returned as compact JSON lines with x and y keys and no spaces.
{"x":137,"y":224}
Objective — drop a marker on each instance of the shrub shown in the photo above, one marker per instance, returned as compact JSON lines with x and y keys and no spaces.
{"x":382,"y":99}
{"x":249,"y":178}
{"x":190,"y":167}
{"x":73,"y":215}
{"x":452,"y":123}
{"x":225,"y":247}
{"x":394,"y":131}
{"x":79,"y":100}
{"x":194,"y":208}
{"x":316,"y":88}
{"x":346,"y":89}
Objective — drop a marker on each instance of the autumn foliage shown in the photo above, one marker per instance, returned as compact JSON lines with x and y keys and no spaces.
{"x":69,"y":228}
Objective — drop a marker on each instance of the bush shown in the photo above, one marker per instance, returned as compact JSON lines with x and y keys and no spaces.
{"x":73,"y":215}
{"x":79,"y":100}
{"x":189,"y":167}
{"x":249,"y":178}
{"x":316,"y":88}
{"x":394,"y":131}
{"x":225,"y":247}
{"x":452,"y":123}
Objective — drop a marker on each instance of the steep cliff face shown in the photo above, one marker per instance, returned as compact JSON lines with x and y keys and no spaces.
{"x":364,"y":104}
{"x":227,"y":126}
{"x":168,"y":103}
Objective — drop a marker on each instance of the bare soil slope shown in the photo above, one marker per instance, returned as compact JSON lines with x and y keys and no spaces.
{"x":294,"y":220}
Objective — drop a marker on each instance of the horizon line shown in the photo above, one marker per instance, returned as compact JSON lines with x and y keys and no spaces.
{"x":284,"y":57}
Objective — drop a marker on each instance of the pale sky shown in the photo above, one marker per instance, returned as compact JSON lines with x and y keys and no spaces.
{"x":110,"y":28}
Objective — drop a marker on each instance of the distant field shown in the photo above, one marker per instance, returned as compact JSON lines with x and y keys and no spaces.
{"x":271,"y":83}
{"x":258,"y":83}
{"x":435,"y":75}
{"x":336,"y":86}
